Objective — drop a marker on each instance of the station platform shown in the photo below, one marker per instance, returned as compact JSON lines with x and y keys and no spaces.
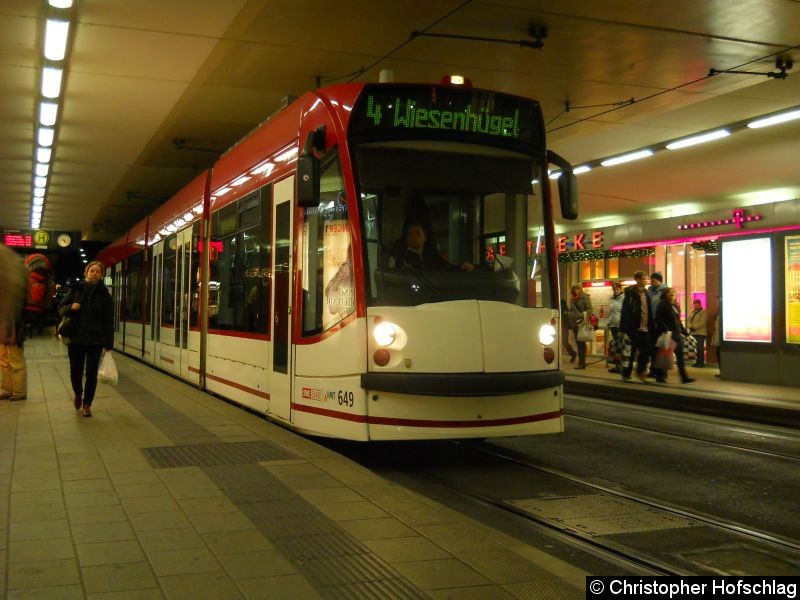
{"x":169,"y":492}
{"x":708,"y":394}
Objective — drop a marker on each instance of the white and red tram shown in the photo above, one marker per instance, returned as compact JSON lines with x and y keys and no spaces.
{"x":277,"y":278}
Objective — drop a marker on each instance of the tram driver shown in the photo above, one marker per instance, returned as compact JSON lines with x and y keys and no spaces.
{"x":418,"y":253}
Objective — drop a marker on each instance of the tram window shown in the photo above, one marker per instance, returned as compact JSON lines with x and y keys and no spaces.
{"x":327,"y":261}
{"x":239,"y":274}
{"x":473,"y":205}
{"x":168,"y":278}
{"x":133,"y":287}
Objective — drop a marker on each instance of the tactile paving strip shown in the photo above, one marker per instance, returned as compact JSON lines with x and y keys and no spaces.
{"x":336,"y":564}
{"x":207,"y":455}
{"x":333,"y":561}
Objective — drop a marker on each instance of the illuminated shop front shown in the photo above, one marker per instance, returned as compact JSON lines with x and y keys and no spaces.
{"x":748,"y":257}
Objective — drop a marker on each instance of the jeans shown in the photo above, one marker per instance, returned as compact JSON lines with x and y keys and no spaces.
{"x":701,"y":350}
{"x":641,"y":344}
{"x":81,"y":357}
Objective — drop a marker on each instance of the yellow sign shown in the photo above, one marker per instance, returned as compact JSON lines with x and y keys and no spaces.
{"x":41,"y":238}
{"x":792,"y":275}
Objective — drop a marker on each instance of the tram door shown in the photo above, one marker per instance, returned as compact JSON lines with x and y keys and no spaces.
{"x":182,"y":299}
{"x":281,"y":347}
{"x":157,"y":288}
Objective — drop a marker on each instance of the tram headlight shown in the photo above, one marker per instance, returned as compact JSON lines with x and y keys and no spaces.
{"x":384,"y":333}
{"x":547,"y":334}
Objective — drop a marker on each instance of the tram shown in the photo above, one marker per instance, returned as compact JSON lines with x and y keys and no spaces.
{"x":373,"y":262}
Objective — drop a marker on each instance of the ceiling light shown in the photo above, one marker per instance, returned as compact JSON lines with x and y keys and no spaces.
{"x":581,"y":169}
{"x":42,"y":169}
{"x":40,"y":182}
{"x":43,"y":155}
{"x":51,"y":82}
{"x":36,"y":209}
{"x":60,"y":3}
{"x":775,"y":119}
{"x":47,"y":113}
{"x":188,"y":217}
{"x":55,"y":39}
{"x":623,"y":158}
{"x":38,"y":192}
{"x":46,"y":135}
{"x":698,"y":139}
{"x":554,"y":174}
{"x":38,"y":201}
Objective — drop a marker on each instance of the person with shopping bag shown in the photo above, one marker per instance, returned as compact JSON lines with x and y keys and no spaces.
{"x":668,"y":324}
{"x":580,"y":308}
{"x":89,"y":305}
{"x":636,"y":320}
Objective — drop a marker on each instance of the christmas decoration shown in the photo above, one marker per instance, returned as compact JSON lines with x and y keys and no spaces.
{"x":568,"y":257}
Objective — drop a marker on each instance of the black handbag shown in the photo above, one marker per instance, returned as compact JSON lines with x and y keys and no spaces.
{"x":66,"y":326}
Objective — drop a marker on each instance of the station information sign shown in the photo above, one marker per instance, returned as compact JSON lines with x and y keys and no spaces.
{"x":41,"y":239}
{"x":17,"y":240}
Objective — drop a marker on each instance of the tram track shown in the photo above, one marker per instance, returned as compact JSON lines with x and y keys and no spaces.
{"x":611,"y":553}
{"x":755,"y":534}
{"x":705,"y":440}
{"x":614,"y":549}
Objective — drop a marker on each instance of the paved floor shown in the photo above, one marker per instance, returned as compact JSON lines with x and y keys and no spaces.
{"x":168,"y":492}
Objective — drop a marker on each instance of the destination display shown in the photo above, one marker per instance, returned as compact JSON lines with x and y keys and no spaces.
{"x":451,"y":113}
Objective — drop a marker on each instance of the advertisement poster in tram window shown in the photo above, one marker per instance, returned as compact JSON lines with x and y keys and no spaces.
{"x":337,"y":273}
{"x":793,"y":289}
{"x":747,"y":290}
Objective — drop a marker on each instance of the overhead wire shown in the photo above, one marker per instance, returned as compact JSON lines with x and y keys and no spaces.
{"x":406,"y":42}
{"x":662,"y":92}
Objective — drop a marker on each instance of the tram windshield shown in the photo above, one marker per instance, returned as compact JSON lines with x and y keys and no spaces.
{"x":447,"y":221}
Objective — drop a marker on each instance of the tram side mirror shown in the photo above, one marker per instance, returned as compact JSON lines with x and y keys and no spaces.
{"x":568,"y":194}
{"x":307,"y":181}
{"x":567,"y":187}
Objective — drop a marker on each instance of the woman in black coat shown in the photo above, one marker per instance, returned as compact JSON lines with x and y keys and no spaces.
{"x":668,"y":319}
{"x":88,"y":303}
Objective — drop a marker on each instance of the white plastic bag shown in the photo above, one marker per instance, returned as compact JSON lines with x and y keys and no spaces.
{"x":585,"y":332}
{"x":108,"y":370}
{"x":665,"y":341}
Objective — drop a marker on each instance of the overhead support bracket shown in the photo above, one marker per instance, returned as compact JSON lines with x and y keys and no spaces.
{"x":186,"y":144}
{"x":537,"y":32}
{"x":781,"y":63}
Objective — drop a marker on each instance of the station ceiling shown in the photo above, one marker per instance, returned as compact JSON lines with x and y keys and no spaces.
{"x":156,"y":89}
